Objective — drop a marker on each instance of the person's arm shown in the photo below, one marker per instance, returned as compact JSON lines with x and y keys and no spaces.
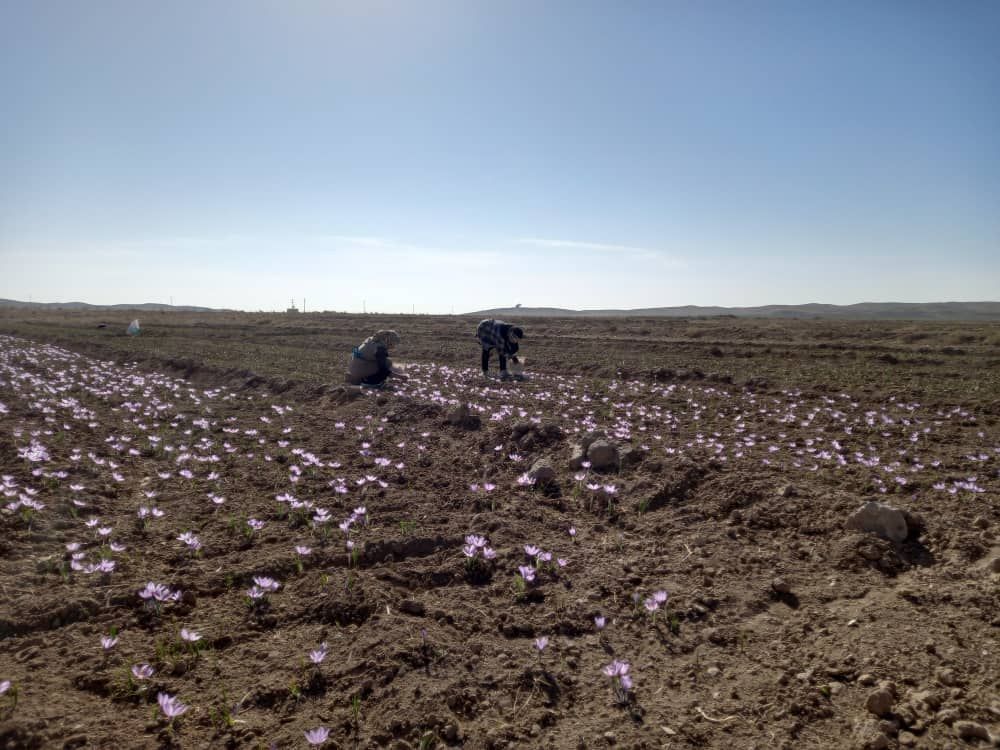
{"x":385,"y":364}
{"x":382,"y":360}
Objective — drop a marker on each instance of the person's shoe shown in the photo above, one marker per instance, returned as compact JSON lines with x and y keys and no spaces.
{"x":504,"y":375}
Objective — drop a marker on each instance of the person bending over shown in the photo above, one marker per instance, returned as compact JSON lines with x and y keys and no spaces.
{"x":504,"y":337}
{"x":370,"y":363}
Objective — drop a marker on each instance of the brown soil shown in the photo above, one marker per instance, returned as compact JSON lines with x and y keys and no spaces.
{"x":783,"y":629}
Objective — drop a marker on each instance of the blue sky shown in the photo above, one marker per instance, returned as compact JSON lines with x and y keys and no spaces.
{"x":459,"y":155}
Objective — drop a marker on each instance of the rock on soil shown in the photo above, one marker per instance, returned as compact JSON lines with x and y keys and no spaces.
{"x":971,"y":730}
{"x":881,"y":519}
{"x":461,"y":417}
{"x":602,"y":455}
{"x":880,"y":701}
{"x":542,"y":471}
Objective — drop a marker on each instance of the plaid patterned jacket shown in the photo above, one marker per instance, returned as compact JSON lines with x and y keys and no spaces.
{"x":492,"y":334}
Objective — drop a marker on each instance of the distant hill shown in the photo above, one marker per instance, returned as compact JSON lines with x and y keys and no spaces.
{"x":945,"y":311}
{"x":145,"y":306}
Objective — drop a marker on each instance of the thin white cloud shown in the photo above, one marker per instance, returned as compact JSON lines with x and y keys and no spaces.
{"x":349,"y":239}
{"x":636,"y":253}
{"x":405,"y":253}
{"x":580,"y":245}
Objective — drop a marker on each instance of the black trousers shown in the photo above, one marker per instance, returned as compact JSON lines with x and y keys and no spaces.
{"x":378,"y":378}
{"x":486,"y":360}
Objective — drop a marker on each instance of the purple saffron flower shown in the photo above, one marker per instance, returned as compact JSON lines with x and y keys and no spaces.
{"x":159,"y":592}
{"x":660,"y":597}
{"x":600,"y":622}
{"x":531,"y":550}
{"x":5,"y":686}
{"x":255,"y":593}
{"x":142,"y":671}
{"x":317,"y":736}
{"x":190,"y":635}
{"x":527,"y":573}
{"x":171,"y":706}
{"x":541,"y":642}
{"x":616,"y":668}
{"x":108,"y":642}
{"x":267,"y":584}
{"x":318,"y":655}
{"x":303,"y":550}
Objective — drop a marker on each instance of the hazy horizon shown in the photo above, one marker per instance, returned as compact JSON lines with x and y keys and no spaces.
{"x":459,"y":156}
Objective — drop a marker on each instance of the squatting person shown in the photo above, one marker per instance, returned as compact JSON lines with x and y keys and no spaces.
{"x":370,"y":363}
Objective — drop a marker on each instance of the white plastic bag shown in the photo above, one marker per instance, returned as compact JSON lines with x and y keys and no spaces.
{"x":133,"y":328}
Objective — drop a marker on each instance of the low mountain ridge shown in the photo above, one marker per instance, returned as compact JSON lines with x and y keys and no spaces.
{"x":943,"y":311}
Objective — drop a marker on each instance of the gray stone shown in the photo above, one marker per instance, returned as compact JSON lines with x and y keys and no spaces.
{"x":451,"y":732}
{"x":868,"y":736}
{"x":629,"y":456}
{"x":461,"y":417}
{"x":590,"y":437}
{"x":880,"y":701}
{"x":971,"y":730}
{"x":781,"y":586}
{"x":579,"y":456}
{"x":458,"y":414}
{"x":602,"y":455}
{"x":946,"y":676}
{"x":542,"y":471}
{"x":881,"y":519}
{"x":521,"y":429}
